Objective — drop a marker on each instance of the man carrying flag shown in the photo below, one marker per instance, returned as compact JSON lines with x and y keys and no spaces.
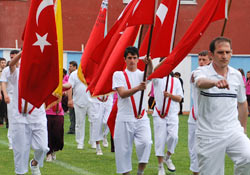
{"x":131,"y":127}
{"x":32,"y":85}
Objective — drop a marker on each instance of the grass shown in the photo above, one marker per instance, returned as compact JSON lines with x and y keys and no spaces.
{"x":71,"y":161}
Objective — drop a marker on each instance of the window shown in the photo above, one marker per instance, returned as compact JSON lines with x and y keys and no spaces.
{"x":188,"y":2}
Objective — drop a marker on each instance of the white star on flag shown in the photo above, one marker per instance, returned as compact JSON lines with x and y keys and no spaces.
{"x":41,"y":41}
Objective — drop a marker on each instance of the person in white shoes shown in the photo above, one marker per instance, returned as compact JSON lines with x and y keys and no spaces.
{"x":8,"y":92}
{"x":222,"y":113}
{"x":131,"y":127}
{"x":30,"y":129}
{"x":203,"y":60}
{"x":166,"y":120}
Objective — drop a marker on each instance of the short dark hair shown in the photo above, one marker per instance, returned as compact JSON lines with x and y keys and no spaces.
{"x":14,"y":52}
{"x":132,"y":50}
{"x":2,"y":59}
{"x":177,"y":74}
{"x":219,"y":40}
{"x":73,"y":63}
{"x":64,"y":71}
{"x":203,"y":53}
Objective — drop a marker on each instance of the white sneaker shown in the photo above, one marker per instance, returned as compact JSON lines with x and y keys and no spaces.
{"x":53,"y":156}
{"x":93,"y":145}
{"x":10,"y":147}
{"x":79,"y":146}
{"x":161,"y":171}
{"x":49,"y":158}
{"x":35,"y":169}
{"x":105,"y":142}
{"x":169,"y":164}
{"x":99,"y":152}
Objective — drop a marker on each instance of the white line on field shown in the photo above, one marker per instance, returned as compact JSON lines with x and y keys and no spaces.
{"x":62,"y":164}
{"x":70,"y":167}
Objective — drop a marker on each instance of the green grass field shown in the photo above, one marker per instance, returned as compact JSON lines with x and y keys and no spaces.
{"x":71,"y":161}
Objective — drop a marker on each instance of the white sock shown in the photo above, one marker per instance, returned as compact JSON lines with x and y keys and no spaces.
{"x":98,"y":146}
{"x":140,"y":172}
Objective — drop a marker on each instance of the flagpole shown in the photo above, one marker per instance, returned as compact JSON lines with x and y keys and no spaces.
{"x":140,"y":36}
{"x":148,"y":52}
{"x":166,"y":87}
{"x":225,"y":22}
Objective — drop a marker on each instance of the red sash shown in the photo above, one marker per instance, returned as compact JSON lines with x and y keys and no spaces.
{"x":169,"y":101}
{"x":132,"y":98}
{"x":103,"y":99}
{"x":193,"y":113}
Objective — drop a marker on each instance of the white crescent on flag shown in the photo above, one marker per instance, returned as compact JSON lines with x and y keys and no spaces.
{"x":138,"y":3}
{"x":41,"y":7}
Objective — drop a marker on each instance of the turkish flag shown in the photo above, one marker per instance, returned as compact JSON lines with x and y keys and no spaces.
{"x":112,"y":118}
{"x":39,"y":63}
{"x":211,"y":11}
{"x":164,"y":30}
{"x":143,"y":12}
{"x":88,"y":66}
{"x":115,"y":62}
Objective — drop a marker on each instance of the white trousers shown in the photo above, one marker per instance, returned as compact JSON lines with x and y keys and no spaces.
{"x":194,"y":165}
{"x":211,"y":153}
{"x":165,"y":132}
{"x":125,"y":134}
{"x":26,"y":136}
{"x":97,"y":121}
{"x":80,"y":114}
{"x":10,"y":120}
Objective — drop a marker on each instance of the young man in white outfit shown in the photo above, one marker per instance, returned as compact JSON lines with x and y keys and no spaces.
{"x":8,"y":92}
{"x":82,"y":105}
{"x":222,"y":114}
{"x":29,"y":130}
{"x":101,"y":108}
{"x":203,"y":60}
{"x":131,"y":127}
{"x":166,"y":121}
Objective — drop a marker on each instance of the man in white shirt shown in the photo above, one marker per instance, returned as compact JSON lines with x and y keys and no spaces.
{"x":166,"y":121}
{"x":7,"y":93}
{"x":131,"y":127}
{"x":203,"y":60}
{"x":30,"y":129}
{"x":222,"y":114}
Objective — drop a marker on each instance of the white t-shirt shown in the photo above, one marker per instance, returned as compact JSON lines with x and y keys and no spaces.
{"x":5,"y":78}
{"x":80,"y":96}
{"x":37,"y":116}
{"x":125,"y":109}
{"x":159,"y":88}
{"x":217,"y":108}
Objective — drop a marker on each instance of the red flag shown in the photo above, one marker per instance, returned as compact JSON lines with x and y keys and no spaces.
{"x":88,"y":67}
{"x":115,"y":62}
{"x":211,"y":11}
{"x":143,"y":12}
{"x":39,"y":64}
{"x":164,"y":30}
{"x":112,"y":118}
{"x":103,"y":51}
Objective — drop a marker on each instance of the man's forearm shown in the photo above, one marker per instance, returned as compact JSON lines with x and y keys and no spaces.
{"x":242,"y":109}
{"x":205,"y":83}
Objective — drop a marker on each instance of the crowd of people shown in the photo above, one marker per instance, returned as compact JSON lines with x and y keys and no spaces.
{"x":216,"y":125}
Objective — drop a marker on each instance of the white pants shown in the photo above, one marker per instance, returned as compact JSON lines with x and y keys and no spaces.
{"x":80,"y":114}
{"x":211,"y":153}
{"x":194,"y":165}
{"x":10,"y":120}
{"x":165,"y":132}
{"x":97,"y":118}
{"x":26,"y":136}
{"x":125,"y":134}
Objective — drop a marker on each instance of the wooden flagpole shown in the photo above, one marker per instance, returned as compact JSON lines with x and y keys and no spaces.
{"x":148,"y":52}
{"x":225,"y":22}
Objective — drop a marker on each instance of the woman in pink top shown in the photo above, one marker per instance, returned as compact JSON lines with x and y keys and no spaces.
{"x":55,"y":123}
{"x":248,"y":90}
